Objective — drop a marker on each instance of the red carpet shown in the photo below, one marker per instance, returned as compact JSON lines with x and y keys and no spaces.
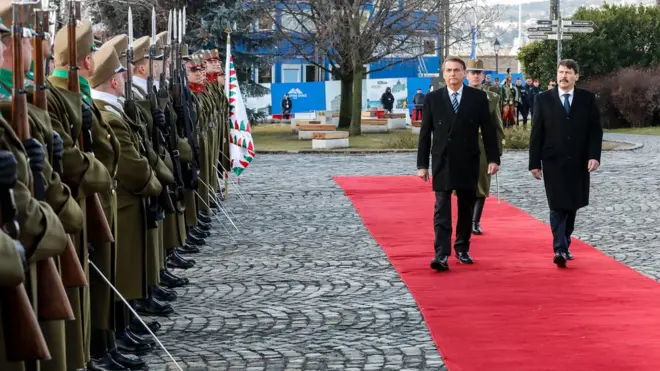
{"x":513,"y":309}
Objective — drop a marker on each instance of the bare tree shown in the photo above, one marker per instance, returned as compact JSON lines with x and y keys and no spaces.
{"x":342,"y":36}
{"x":459,"y":16}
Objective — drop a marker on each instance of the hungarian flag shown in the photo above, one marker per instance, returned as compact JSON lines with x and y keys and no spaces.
{"x":241,"y":145}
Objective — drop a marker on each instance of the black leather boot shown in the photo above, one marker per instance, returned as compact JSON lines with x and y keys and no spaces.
{"x":476,"y":215}
{"x":174,"y":260}
{"x":187,"y":249}
{"x":163,"y":294}
{"x":204,"y":218}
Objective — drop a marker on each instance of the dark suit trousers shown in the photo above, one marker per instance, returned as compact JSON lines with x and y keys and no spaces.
{"x":562,"y":223}
{"x":443,"y":225}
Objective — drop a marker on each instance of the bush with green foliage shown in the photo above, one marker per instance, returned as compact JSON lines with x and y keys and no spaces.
{"x":624,"y":36}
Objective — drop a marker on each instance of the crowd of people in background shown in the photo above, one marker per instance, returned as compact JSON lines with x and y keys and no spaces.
{"x":516,"y":99}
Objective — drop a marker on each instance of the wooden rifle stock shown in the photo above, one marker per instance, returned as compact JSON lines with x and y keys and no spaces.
{"x":101,"y":232}
{"x":24,"y":339}
{"x":53,"y":304}
{"x":72,"y":272}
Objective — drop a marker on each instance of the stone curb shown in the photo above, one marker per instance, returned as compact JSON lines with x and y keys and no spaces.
{"x":631,"y":147}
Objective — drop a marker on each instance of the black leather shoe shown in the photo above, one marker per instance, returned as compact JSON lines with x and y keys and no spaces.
{"x":139,"y":339}
{"x":138,"y":328}
{"x":203,"y":226}
{"x":105,"y":363}
{"x":187,"y":249}
{"x":153,"y":307}
{"x":214,"y":205}
{"x":464,"y":258}
{"x":440,"y":263}
{"x":175,"y":260}
{"x":569,"y":256}
{"x":171,"y":281}
{"x":164,"y":294}
{"x":130,"y":361}
{"x":127,"y":345}
{"x":476,"y":228}
{"x":560,"y":259}
{"x":204,"y":218}
{"x":201,"y":233}
{"x":177,"y":251}
{"x":194,"y":240}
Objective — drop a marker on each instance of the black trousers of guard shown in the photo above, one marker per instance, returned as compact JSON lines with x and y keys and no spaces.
{"x":443,"y":225}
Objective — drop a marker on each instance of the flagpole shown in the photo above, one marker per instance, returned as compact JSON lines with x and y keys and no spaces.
{"x":227,"y":53}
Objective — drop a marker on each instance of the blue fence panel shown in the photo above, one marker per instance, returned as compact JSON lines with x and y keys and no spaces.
{"x":414,"y":84}
{"x":305,"y":96}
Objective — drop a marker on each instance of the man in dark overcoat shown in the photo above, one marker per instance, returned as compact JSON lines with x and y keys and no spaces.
{"x":454,"y":114}
{"x":564,"y":149}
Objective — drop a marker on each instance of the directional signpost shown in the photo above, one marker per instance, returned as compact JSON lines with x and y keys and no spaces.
{"x":559,"y":29}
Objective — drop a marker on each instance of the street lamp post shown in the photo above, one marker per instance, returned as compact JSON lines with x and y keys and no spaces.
{"x":496,"y":46}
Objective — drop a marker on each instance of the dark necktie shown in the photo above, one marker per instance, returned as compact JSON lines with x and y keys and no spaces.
{"x":567,"y":105}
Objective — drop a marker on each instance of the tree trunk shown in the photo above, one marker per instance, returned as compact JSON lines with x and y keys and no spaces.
{"x":346,"y":102}
{"x":357,"y":102}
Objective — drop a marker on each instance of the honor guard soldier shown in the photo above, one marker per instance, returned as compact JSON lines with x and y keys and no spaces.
{"x":475,"y":76}
{"x":98,"y":142}
{"x":136,"y":181}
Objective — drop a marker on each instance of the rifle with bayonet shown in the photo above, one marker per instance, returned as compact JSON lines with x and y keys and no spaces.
{"x":52,"y":301}
{"x":25,"y":341}
{"x":72,"y":272}
{"x":170,"y":131}
{"x":162,"y":202}
{"x":131,"y":110}
{"x":181,"y":97}
{"x":100,"y":229}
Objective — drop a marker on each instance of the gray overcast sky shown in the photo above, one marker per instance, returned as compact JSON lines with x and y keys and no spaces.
{"x":513,"y":2}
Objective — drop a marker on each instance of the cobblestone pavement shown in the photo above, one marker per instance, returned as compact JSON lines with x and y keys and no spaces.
{"x":305,"y":287}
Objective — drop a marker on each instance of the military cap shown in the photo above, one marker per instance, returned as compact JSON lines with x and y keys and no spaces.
{"x":196,"y":63}
{"x":120,"y":44}
{"x":213,"y":54}
{"x":141,"y":48}
{"x":476,"y":65}
{"x":107,"y":65}
{"x":84,"y":43}
{"x":159,"y":48}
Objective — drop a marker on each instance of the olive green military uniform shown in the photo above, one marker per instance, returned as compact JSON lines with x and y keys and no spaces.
{"x":483,"y":188}
{"x":211,"y":93}
{"x":203,"y":108}
{"x":220,"y":104}
{"x":174,"y":225}
{"x":135,"y":181}
{"x":11,"y":275}
{"x":42,"y":234}
{"x":158,"y":161}
{"x":189,"y":194}
{"x":68,"y":124}
{"x":57,"y":195}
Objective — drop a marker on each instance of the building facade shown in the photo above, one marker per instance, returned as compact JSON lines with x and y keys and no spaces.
{"x":298,"y":69}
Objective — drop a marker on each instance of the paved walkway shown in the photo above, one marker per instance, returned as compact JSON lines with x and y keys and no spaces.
{"x":305,"y":287}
